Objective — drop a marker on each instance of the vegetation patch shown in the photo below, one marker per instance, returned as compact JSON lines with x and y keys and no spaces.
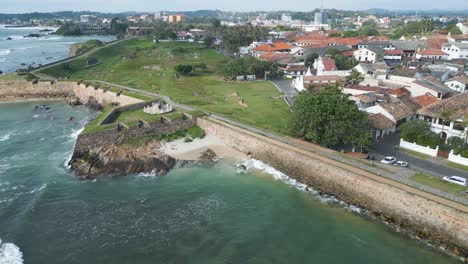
{"x":189,"y":135}
{"x":458,"y":166}
{"x":415,"y":153}
{"x":205,"y":89}
{"x":438,"y":183}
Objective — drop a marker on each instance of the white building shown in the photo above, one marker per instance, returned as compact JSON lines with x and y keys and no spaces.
{"x":369,"y":54}
{"x":463,"y":28}
{"x":459,"y":84}
{"x":88,"y":19}
{"x":432,"y":54}
{"x":286,"y":18}
{"x":457,"y":105}
{"x":456,"y":50}
{"x":158,"y":108}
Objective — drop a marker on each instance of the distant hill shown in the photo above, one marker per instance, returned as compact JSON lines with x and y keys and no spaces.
{"x":433,"y":12}
{"x":60,"y":15}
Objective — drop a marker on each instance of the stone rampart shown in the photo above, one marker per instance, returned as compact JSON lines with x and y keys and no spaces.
{"x":50,"y":89}
{"x":428,"y":218}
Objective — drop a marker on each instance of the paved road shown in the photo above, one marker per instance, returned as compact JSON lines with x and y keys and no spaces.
{"x":288,"y":90}
{"x":435,"y":166}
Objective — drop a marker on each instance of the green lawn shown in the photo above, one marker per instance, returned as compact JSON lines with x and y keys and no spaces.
{"x":458,"y":166}
{"x":141,"y":64}
{"x":132,"y":116}
{"x":414,"y":153}
{"x":438,"y":183}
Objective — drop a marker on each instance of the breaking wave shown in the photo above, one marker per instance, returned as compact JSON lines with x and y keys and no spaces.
{"x":277,"y":175}
{"x":5,"y":137}
{"x":5,"y":52}
{"x":10,"y":253}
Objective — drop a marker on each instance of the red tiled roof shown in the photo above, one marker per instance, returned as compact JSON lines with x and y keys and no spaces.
{"x":320,"y":78}
{"x":426,"y":100}
{"x":379,"y":38}
{"x":344,"y":41}
{"x":398,"y":92}
{"x":393,"y":52}
{"x":428,"y":52}
{"x":273,"y":56}
{"x":274,"y":47}
{"x":348,"y":53}
{"x":329,"y":64}
{"x":436,"y":41}
{"x":379,"y":121}
{"x":461,"y":37}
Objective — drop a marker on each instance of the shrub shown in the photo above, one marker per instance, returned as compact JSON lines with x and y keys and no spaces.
{"x":183,"y":69}
{"x":459,"y":146}
{"x":196,"y":132}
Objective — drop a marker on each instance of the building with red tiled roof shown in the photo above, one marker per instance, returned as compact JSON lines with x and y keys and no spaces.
{"x":434,"y":54}
{"x":271,"y":47}
{"x":393,"y":52}
{"x":273,"y":56}
{"x":426,"y":100}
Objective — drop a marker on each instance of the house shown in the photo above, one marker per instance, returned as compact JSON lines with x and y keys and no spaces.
{"x":324,"y":64}
{"x":302,"y":82}
{"x":197,"y":33}
{"x":430,"y":85}
{"x":375,"y":44}
{"x":458,"y":84}
{"x":406,"y":73}
{"x":370,"y":54}
{"x":364,"y":100}
{"x":409,"y":48}
{"x":295,"y":69}
{"x":458,"y":105}
{"x":393,"y":56}
{"x":381,"y":125}
{"x":352,"y":42}
{"x":183,"y":35}
{"x":176,"y":18}
{"x":140,"y":31}
{"x":459,"y":38}
{"x":463,"y":28}
{"x":279,"y":47}
{"x":426,"y":100}
{"x":456,"y":50}
{"x":432,"y":54}
{"x":371,"y":70}
{"x":273,"y":56}
{"x":394,"y":109}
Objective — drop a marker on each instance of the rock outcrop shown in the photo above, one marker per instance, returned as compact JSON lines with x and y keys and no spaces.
{"x":121,"y":160}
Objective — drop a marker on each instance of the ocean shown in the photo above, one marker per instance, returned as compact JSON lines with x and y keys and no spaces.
{"x":205,"y":214}
{"x":20,"y":50}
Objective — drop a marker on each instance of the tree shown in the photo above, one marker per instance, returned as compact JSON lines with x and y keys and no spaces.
{"x":208,"y":41}
{"x":334,"y":35}
{"x":329,"y":118}
{"x":355,"y":77}
{"x":419,"y":132}
{"x":183,"y":69}
{"x":446,"y":116}
{"x":454,"y":30}
{"x":310,"y":59}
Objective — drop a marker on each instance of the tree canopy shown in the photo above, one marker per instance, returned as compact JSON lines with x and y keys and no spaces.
{"x":329,"y":118}
{"x":248,"y":66}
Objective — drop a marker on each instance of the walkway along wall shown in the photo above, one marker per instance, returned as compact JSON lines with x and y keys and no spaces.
{"x":25,"y":89}
{"x":398,"y":203}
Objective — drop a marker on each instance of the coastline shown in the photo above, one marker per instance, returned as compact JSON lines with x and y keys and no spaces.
{"x":6,"y":100}
{"x":191,"y":151}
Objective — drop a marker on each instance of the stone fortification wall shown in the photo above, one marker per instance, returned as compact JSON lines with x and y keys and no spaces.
{"x":85,"y":142}
{"x":25,"y":89}
{"x":29,"y":90}
{"x":428,"y":218}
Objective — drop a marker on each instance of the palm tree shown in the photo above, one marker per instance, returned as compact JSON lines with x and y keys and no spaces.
{"x":446,"y":116}
{"x":465,"y":125}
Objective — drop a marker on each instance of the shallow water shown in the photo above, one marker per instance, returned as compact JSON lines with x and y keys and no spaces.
{"x":43,"y":50}
{"x":192,"y":215}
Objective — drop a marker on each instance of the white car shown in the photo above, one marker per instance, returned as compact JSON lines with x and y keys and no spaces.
{"x":388,"y":160}
{"x":402,"y":164}
{"x":457,"y":180}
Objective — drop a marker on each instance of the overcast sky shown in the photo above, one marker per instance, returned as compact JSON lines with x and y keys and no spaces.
{"x":22,"y":6}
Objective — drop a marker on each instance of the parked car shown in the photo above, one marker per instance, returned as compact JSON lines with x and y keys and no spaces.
{"x":457,"y":180}
{"x":388,"y":160}
{"x":402,"y":164}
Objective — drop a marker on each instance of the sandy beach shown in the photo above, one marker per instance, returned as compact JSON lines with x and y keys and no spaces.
{"x":191,"y":151}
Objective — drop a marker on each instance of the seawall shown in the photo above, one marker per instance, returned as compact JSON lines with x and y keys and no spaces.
{"x":398,"y":204}
{"x":56,"y":90}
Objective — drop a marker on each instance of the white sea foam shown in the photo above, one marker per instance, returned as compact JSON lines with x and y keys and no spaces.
{"x":10,"y":253}
{"x":5,"y":52}
{"x":259,"y":165}
{"x":39,"y":189}
{"x":151,"y":174}
{"x":5,"y":137}
{"x":76,"y":133}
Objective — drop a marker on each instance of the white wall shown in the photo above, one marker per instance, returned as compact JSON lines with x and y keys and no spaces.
{"x":457,"y":159}
{"x":456,"y":86}
{"x":421,"y":149}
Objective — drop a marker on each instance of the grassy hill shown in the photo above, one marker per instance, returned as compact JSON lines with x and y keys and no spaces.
{"x":141,"y":64}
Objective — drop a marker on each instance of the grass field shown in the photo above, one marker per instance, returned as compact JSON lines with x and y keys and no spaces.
{"x":141,"y":64}
{"x":414,"y":153}
{"x":458,"y":166}
{"x":438,"y":183}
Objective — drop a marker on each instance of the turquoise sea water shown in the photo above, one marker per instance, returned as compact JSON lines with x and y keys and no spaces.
{"x":20,"y":50}
{"x":193,"y":215}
